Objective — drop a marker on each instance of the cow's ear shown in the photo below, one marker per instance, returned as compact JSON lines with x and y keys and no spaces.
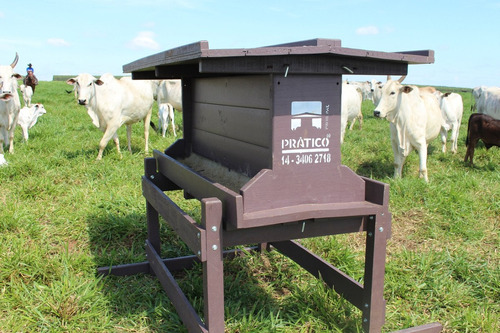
{"x":99,"y":82}
{"x":406,"y":89}
{"x":71,"y":81}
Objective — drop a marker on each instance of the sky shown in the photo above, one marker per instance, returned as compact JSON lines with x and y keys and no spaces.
{"x":100,"y":36}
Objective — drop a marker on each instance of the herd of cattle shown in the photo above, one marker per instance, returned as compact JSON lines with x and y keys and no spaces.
{"x":417,"y":115}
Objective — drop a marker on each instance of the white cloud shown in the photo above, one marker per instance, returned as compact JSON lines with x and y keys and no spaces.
{"x":1,"y":15}
{"x":57,"y":42}
{"x":144,"y":40}
{"x":368,"y":30}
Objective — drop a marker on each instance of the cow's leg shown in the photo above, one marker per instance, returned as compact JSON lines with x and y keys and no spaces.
{"x":352,"y":124}
{"x":129,"y":137}
{"x":11,"y":141}
{"x":25,"y":133}
{"x":171,"y":113}
{"x":147,"y":120}
{"x":2,"y":136}
{"x":117,"y":144}
{"x":454,"y":137}
{"x":399,"y":161}
{"x":109,"y":133}
{"x":470,"y":150}
{"x":444,"y":134}
{"x":162,"y":123}
{"x":399,"y":158}
{"x":422,"y":157}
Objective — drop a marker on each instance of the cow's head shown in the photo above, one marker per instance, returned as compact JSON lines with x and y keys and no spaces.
{"x":8,"y":79}
{"x":84,"y":85}
{"x":40,"y":109}
{"x":390,"y":99}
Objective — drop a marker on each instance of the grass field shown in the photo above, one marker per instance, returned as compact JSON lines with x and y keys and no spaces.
{"x":63,"y":214}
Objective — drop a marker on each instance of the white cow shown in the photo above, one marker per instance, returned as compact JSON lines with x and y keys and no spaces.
{"x":366,"y":89}
{"x":4,"y":97}
{"x":111,"y":103}
{"x":415,"y":120}
{"x":28,"y":116}
{"x":452,"y":106}
{"x":166,"y":112}
{"x":27,"y":93}
{"x":476,"y":93}
{"x":9,"y":107}
{"x":488,"y":100}
{"x":169,"y":93}
{"x":350,"y":108}
{"x":376,"y":89}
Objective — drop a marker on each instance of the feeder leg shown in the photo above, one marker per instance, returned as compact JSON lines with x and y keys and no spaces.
{"x":153,"y":227}
{"x":213,"y":271}
{"x":373,"y":300}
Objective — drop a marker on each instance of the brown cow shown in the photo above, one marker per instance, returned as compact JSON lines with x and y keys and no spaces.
{"x":484,"y":127}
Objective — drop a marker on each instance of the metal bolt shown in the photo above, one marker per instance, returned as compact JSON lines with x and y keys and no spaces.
{"x":365,"y":320}
{"x":380,"y":229}
{"x":214,"y":228}
{"x":199,"y":253}
{"x":371,"y":217}
{"x":366,"y":305}
{"x":214,"y":247}
{"x":152,"y":177}
{"x":198,"y":235}
{"x":370,"y":234}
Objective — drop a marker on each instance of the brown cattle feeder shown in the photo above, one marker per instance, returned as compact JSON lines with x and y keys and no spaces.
{"x":261,"y":152}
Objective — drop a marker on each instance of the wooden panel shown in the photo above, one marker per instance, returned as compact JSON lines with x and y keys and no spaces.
{"x":243,"y":91}
{"x":182,"y":223}
{"x":184,"y":308}
{"x":237,"y":155}
{"x":178,"y":54}
{"x":198,"y":186}
{"x":252,"y":126}
{"x":350,"y":289}
{"x":302,"y":64}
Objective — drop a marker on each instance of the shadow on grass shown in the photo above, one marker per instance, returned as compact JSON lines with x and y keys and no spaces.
{"x":375,"y":169}
{"x":255,"y":293}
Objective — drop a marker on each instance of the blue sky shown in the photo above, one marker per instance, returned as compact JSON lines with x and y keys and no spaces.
{"x":98,"y":36}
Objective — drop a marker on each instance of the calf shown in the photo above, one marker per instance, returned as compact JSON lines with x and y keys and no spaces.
{"x":452,"y":106}
{"x":484,"y":127}
{"x":28,"y":117}
{"x":166,"y":112}
{"x":27,"y":92}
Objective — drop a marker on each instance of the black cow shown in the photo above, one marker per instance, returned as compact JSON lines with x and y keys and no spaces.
{"x":484,"y":127}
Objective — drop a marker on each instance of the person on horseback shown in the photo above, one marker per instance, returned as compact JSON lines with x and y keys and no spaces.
{"x":30,"y":79}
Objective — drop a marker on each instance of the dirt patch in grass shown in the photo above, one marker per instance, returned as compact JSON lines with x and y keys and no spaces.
{"x":406,"y":233}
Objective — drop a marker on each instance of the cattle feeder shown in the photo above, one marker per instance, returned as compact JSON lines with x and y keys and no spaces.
{"x":261,"y":152}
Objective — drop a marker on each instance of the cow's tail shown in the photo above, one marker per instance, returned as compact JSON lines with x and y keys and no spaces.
{"x":153,"y":126}
{"x":468,"y":129}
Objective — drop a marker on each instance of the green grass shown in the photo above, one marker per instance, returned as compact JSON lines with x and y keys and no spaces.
{"x":63,"y":214}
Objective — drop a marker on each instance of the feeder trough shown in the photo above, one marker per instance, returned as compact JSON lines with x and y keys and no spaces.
{"x":261,"y":152}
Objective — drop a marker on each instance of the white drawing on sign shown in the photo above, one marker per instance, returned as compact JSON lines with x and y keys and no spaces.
{"x":306,"y":110}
